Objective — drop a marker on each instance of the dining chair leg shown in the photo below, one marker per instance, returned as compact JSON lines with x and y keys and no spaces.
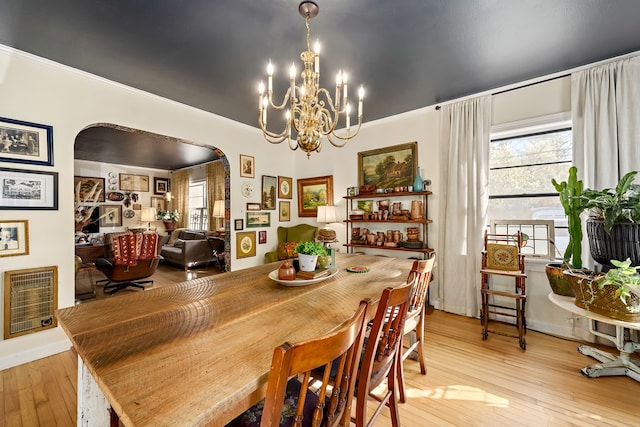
{"x":420,"y":348}
{"x":393,"y":403}
{"x":400,"y":370}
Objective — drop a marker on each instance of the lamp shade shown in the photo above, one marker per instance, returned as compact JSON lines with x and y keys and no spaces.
{"x":218,"y":209}
{"x":326,"y":214}
{"x":148,"y":214}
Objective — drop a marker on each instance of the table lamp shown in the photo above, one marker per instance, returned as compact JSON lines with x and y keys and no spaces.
{"x":326,"y":214}
{"x":148,"y":215}
{"x":218,"y":212}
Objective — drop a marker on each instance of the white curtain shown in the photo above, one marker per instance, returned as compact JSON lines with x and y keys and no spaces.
{"x":465,"y":137}
{"x":605,"y":105}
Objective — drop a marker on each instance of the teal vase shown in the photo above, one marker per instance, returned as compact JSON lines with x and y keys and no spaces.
{"x":417,"y":183}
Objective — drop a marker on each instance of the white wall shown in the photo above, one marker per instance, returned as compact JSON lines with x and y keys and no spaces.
{"x":36,"y":90}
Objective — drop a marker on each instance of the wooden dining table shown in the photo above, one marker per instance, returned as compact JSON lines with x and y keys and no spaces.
{"x":199,"y":352}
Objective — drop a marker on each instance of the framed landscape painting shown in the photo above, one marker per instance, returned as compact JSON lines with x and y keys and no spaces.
{"x":269,"y":184}
{"x":388,"y":167}
{"x":314,"y":192}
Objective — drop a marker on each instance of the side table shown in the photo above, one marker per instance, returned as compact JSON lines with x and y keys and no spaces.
{"x":610,"y":364}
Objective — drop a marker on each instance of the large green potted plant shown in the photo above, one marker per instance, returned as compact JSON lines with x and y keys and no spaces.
{"x":569,"y":192}
{"x":613,"y":227}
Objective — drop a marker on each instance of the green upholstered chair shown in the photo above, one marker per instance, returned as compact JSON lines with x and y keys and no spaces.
{"x":296,"y":234}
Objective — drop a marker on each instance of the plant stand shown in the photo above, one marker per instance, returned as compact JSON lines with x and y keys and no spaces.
{"x":611,"y":365}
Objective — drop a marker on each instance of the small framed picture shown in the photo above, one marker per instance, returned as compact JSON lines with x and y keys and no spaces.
{"x":285,"y":187}
{"x":160,"y":185}
{"x":245,"y":244}
{"x":258,"y":219}
{"x":25,"y":142}
{"x":262,"y":237}
{"x":111,"y":215}
{"x":284,"y":210}
{"x":247,"y":166}
{"x":314,"y":192}
{"x":14,"y":238}
{"x":254,"y":206}
{"x":238,"y":224}
{"x":158,"y":203}
{"x":22,"y":189}
{"x":365,"y":205}
{"x":87,"y":185}
{"x":269,"y":192}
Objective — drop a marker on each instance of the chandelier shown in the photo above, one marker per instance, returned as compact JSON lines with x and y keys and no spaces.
{"x":310,"y":111}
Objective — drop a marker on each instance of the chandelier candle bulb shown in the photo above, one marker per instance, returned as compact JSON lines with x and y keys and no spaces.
{"x":270,"y":74}
{"x":348,"y":113}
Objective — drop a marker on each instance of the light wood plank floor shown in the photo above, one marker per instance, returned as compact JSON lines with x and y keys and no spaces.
{"x":469,"y":382}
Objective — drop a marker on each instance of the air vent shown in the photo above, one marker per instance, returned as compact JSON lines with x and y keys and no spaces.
{"x":30,"y":300}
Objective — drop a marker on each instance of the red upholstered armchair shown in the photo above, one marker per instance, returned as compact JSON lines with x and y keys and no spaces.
{"x":135,"y":257}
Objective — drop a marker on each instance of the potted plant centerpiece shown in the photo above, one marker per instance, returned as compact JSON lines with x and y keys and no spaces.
{"x":169,"y":219}
{"x":308,"y":253}
{"x":612,"y":228}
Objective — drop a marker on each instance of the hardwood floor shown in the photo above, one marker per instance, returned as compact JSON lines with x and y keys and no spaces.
{"x":469,"y":382}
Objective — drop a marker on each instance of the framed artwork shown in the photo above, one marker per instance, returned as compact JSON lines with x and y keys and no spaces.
{"x":25,"y":142}
{"x":284,"y":210}
{"x":158,"y":203}
{"x":254,"y":206}
{"x":245,"y":244}
{"x":388,"y":167}
{"x":14,"y":238}
{"x":269,"y":192}
{"x":22,"y":189}
{"x":110,"y":215}
{"x":314,"y":192}
{"x":86,"y":185}
{"x":365,"y":205}
{"x":238,"y":224}
{"x":258,"y":219}
{"x":262,"y":237}
{"x":285,"y":187}
{"x":137,"y":207}
{"x":247,"y":166}
{"x":160,"y":185}
{"x":131,"y":182}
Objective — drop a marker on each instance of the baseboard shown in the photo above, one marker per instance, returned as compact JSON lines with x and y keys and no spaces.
{"x":34,"y":353}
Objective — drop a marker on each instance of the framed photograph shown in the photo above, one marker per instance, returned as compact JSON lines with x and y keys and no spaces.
{"x":25,"y":142}
{"x":158,"y":203}
{"x":314,"y":192}
{"x":14,"y":238}
{"x":137,"y":207}
{"x":388,"y":167}
{"x":110,"y":215}
{"x":131,"y":182}
{"x":269,"y":192}
{"x":86,"y":185}
{"x":365,"y":205}
{"x":284,"y":211}
{"x":247,"y":166}
{"x":245,"y":244}
{"x":262,"y":237}
{"x":160,"y":185}
{"x":285,"y":187}
{"x":35,"y":190}
{"x":254,"y":206}
{"x":238,"y":224}
{"x":258,"y":219}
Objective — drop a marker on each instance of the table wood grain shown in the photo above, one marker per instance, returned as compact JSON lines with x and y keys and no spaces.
{"x":199,"y":352}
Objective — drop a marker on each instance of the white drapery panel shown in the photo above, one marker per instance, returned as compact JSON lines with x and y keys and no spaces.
{"x":605,"y":105}
{"x":465,"y":137}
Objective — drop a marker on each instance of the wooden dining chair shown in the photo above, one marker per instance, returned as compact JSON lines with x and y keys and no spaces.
{"x":380,"y":358}
{"x":502,"y":256}
{"x":419,"y":276}
{"x":297,"y":398}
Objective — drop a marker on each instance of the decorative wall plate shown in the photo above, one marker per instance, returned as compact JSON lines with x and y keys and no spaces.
{"x":247,"y":189}
{"x":115,"y":196}
{"x":129,"y":213}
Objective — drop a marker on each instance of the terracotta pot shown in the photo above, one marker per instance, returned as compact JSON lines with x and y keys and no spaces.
{"x":169,"y":225}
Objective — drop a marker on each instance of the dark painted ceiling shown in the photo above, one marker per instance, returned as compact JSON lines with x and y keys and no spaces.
{"x":408,"y":54}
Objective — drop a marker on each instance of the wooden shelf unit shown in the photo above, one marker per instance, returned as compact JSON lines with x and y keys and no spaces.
{"x":423,"y":223}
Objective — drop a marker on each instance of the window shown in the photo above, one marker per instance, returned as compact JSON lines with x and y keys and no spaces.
{"x":198,"y":218}
{"x":522,"y":163}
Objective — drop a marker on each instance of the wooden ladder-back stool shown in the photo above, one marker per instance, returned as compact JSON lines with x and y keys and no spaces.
{"x":502,"y":256}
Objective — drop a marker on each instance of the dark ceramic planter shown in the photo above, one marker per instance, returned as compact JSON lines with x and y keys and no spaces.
{"x":623,"y":242}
